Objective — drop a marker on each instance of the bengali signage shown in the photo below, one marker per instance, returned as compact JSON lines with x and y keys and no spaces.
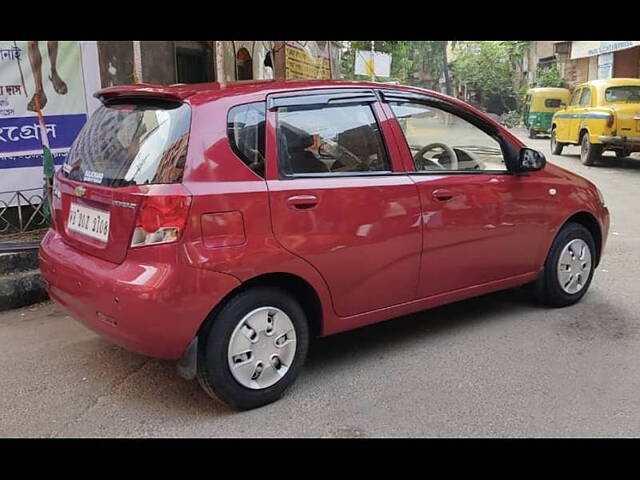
{"x":307,"y":61}
{"x":50,"y":72}
{"x":583,"y":49}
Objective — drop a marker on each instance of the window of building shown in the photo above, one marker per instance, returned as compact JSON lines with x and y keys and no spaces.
{"x":244,"y":65}
{"x":192,"y":65}
{"x":331,"y":140}
{"x":440,"y":140}
{"x":245,"y":129}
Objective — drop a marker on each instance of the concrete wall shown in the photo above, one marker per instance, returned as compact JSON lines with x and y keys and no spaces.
{"x":116,"y":62}
{"x":158,"y":62}
{"x":536,"y":51}
{"x":626,"y":63}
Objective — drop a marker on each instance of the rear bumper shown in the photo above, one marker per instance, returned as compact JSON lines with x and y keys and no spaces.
{"x":152,"y":304}
{"x":621,"y":140}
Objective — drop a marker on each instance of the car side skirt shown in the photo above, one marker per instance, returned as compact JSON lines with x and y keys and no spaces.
{"x":341,"y":324}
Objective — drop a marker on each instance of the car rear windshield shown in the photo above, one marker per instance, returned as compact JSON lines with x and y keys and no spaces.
{"x":630,"y":93}
{"x":131,"y":143}
{"x":552,"y":102}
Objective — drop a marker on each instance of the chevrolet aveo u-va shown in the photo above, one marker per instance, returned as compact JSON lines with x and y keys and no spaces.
{"x":225,"y":227}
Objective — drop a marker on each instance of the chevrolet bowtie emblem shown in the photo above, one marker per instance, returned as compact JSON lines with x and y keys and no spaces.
{"x":79,"y":191}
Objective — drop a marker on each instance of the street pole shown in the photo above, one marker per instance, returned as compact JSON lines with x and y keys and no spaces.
{"x":137,"y":62}
{"x":373,"y":64}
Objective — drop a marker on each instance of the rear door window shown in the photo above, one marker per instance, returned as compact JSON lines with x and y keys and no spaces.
{"x":245,"y":128}
{"x":131,"y":144}
{"x":340,"y":139}
{"x":575,"y":97}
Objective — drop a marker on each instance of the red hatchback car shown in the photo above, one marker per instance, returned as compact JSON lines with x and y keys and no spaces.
{"x":225,"y":226}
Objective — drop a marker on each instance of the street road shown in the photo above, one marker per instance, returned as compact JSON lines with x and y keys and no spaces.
{"x":491,"y":366}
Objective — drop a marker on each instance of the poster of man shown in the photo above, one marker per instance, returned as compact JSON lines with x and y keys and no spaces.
{"x":35,"y":60}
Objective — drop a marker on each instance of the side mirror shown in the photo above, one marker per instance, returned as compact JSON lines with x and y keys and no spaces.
{"x":530,"y":160}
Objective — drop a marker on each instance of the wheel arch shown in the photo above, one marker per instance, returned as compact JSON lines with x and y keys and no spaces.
{"x":300,"y":288}
{"x":589,"y":221}
{"x":583,"y":130}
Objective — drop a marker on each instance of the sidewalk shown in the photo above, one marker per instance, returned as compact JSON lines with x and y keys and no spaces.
{"x":20,"y":282}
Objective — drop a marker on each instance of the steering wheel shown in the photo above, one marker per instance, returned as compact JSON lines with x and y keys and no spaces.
{"x":419,"y":156}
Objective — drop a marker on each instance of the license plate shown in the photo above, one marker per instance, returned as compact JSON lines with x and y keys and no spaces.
{"x":89,"y":221}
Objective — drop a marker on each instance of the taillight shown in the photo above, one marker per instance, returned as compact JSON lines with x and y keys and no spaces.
{"x":610,"y":120}
{"x":161,"y":219}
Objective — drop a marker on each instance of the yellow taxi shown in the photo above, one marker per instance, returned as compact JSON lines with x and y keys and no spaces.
{"x":601,"y":115}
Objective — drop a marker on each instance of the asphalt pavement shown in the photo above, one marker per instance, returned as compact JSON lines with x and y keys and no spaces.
{"x":491,"y":366}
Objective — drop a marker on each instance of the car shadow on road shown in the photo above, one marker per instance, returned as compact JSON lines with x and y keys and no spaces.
{"x":155,"y":383}
{"x":611,"y":161}
{"x":425,"y":324}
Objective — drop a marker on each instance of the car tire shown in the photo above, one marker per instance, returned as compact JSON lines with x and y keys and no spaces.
{"x":589,"y":152}
{"x":556,"y":147}
{"x":551,"y":287}
{"x":225,"y":332}
{"x":622,"y":153}
{"x":532,"y":133}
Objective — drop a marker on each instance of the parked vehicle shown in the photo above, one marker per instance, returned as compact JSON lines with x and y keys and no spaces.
{"x":539,"y":106}
{"x":602,"y":115}
{"x":225,"y":227}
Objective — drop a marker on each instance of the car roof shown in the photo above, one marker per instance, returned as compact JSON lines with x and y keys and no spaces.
{"x":611,"y":82}
{"x":198,"y":93}
{"x":547,"y":90}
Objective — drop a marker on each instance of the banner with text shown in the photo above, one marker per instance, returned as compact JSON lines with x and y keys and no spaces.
{"x":581,"y":49}
{"x":307,"y":60}
{"x":51,"y":72}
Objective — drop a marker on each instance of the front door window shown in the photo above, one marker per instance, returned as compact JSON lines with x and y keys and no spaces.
{"x":441,"y":141}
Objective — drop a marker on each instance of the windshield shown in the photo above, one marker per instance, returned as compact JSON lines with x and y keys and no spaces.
{"x":629,"y":93}
{"x":131,"y":144}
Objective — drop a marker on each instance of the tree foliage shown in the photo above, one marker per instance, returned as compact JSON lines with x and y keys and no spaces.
{"x":490,"y":69}
{"x":484,"y":67}
{"x":408,"y":58}
{"x":549,"y":77}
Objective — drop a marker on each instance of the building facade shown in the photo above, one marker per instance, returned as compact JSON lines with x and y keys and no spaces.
{"x":581,"y":61}
{"x":28,"y":72}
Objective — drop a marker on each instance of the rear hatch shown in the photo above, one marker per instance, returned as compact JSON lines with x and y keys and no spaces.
{"x":128,"y":151}
{"x":625,"y":100}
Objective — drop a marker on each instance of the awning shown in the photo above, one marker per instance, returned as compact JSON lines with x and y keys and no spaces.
{"x":583,"y":49}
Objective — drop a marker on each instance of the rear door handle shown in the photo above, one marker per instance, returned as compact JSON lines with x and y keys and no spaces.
{"x":302,"y":202}
{"x":442,"y":195}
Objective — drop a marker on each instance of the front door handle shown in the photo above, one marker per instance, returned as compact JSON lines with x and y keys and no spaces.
{"x":442,"y":194}
{"x":302,"y":202}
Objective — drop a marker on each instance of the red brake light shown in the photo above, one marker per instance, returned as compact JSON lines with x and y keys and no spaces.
{"x":161,"y":219}
{"x":610,"y":120}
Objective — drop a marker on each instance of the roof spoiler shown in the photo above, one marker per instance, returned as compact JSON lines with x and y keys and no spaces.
{"x":140,"y":90}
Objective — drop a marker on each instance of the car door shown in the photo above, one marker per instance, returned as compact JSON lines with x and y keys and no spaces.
{"x":563,"y":118}
{"x":339,"y":198}
{"x":481,"y":223}
{"x":579,"y":113}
